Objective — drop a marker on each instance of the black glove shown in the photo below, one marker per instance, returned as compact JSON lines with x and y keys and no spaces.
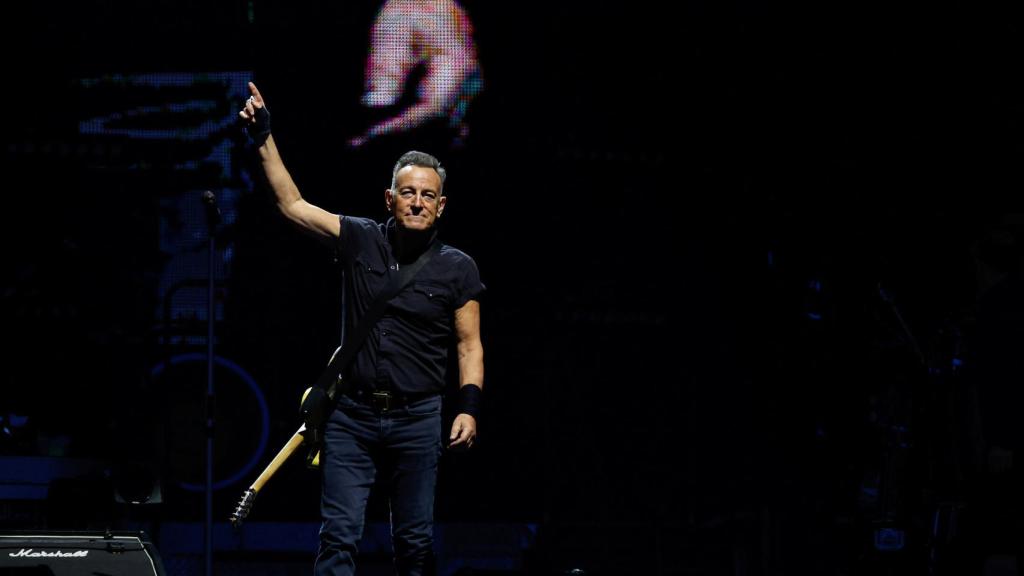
{"x":260,"y":128}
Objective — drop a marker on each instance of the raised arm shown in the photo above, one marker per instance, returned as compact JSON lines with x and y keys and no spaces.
{"x":471,"y":368}
{"x":309,"y":217}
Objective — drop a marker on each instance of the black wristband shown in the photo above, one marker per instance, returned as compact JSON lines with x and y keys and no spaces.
{"x":260,"y":128}
{"x":469,"y":399}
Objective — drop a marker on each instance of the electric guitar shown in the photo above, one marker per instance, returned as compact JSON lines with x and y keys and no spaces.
{"x":313,"y":460}
{"x":293,"y":444}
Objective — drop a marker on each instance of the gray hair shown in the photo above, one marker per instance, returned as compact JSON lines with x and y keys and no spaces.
{"x":415,"y":158}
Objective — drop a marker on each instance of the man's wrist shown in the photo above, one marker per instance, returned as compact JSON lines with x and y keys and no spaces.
{"x":259,"y":129}
{"x":470,"y":396}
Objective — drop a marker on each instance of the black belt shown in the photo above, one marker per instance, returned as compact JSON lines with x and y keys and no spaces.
{"x":384,"y":401}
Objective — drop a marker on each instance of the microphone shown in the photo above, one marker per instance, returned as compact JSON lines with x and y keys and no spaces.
{"x":212,"y":211}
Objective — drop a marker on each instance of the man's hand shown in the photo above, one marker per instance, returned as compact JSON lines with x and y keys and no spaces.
{"x":463,"y":433}
{"x":256,"y":115}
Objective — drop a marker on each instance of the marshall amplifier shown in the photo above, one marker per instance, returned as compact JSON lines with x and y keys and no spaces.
{"x":28,"y":553}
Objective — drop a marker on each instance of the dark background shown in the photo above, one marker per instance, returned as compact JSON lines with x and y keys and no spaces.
{"x":744,"y":262}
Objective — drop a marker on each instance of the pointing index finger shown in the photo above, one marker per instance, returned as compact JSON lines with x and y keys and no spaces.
{"x":257,"y":98}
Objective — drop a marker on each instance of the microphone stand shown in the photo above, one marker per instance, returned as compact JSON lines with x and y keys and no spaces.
{"x":212,"y":220}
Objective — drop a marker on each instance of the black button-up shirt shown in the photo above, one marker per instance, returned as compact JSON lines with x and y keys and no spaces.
{"x":407,"y":350}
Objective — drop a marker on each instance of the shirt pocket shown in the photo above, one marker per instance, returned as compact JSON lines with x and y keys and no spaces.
{"x":369,"y":278}
{"x":369,"y":266}
{"x":433,"y":300}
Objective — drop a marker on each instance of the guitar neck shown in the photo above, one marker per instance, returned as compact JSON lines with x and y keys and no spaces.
{"x":286,"y":451}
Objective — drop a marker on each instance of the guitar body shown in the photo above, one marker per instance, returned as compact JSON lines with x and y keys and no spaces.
{"x":313,"y":459}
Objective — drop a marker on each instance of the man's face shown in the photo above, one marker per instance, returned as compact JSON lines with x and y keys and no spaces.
{"x":417,"y":200}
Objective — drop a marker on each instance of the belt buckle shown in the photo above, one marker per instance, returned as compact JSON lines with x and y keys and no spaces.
{"x":382,"y":401}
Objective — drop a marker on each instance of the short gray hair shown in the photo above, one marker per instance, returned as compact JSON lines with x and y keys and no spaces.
{"x":416,"y":158}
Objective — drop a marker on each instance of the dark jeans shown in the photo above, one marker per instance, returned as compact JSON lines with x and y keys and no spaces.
{"x":400,"y":448}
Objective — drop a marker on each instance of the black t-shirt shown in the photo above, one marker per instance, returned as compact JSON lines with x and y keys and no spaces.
{"x":407,"y":350}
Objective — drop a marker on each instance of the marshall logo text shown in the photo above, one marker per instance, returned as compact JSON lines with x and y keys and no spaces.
{"x":28,"y":553}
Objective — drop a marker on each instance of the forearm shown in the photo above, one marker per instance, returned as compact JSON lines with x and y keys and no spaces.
{"x":289,"y":200}
{"x":471,"y":382}
{"x":286,"y":193}
{"x":471,"y":363}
